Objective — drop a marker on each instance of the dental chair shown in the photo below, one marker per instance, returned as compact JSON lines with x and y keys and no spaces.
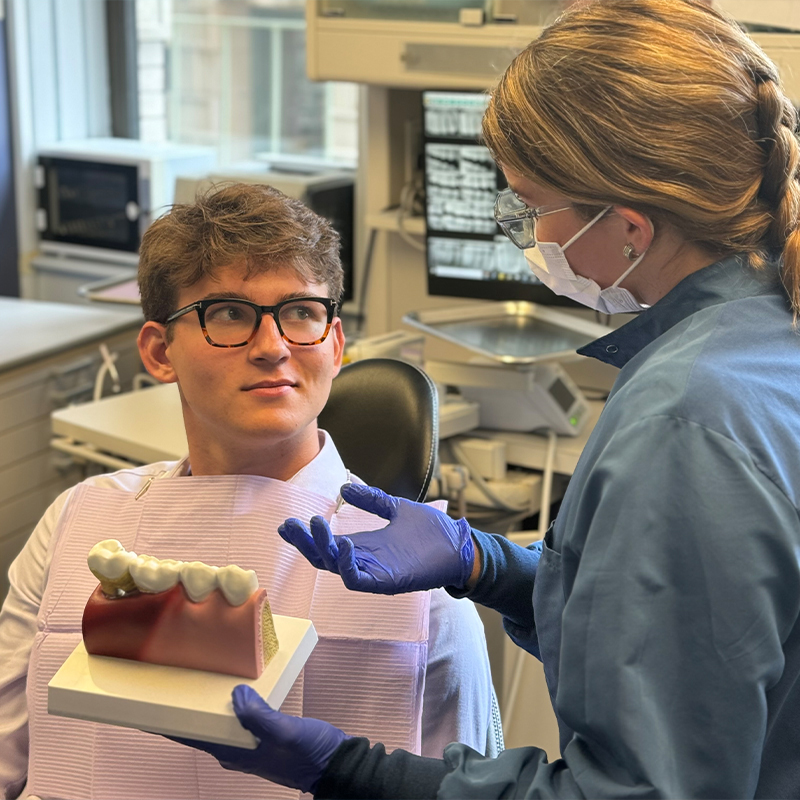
{"x":383,"y":416}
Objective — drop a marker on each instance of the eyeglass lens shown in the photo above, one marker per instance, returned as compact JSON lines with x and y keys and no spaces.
{"x":520,"y":231}
{"x":518,"y":227}
{"x":229,"y":322}
{"x":508,"y":203}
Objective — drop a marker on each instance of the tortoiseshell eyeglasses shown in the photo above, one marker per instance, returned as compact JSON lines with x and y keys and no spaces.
{"x":233,"y":323}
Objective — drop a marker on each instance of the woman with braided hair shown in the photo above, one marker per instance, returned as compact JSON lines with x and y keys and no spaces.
{"x":652,"y":166}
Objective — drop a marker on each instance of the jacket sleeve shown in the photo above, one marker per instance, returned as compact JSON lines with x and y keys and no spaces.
{"x":505,"y":584}
{"x":18,"y":625}
{"x":680,"y":557}
{"x":680,"y":567}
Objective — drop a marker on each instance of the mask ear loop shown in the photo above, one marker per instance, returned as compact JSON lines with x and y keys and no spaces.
{"x":585,"y":228}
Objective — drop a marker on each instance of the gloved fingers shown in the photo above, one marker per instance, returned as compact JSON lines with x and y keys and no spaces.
{"x":230,"y":757}
{"x":296,"y":533}
{"x":325,"y":543}
{"x":256,"y":715}
{"x":352,"y":576}
{"x":371,"y":499}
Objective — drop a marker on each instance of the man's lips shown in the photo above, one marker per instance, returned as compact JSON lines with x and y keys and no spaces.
{"x":269,"y":384}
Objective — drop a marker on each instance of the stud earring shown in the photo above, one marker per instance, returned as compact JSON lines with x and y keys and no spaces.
{"x":629,"y":252}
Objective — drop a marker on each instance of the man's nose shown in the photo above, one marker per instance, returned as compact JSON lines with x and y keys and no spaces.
{"x":268,"y":342}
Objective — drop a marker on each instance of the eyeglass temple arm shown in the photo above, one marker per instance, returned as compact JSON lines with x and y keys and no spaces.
{"x":181,"y":312}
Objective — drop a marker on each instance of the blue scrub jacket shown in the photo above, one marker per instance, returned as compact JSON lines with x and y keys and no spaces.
{"x":666,"y":601}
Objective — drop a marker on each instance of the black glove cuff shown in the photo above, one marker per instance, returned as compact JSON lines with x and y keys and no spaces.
{"x":358,"y":772}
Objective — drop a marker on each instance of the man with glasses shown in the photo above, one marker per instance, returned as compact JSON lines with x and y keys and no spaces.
{"x":240,"y":296}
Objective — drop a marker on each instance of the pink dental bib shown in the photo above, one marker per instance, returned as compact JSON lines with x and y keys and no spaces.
{"x":366,"y":674}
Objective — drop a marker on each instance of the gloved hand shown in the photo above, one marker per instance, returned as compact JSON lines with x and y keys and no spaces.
{"x":421,"y":548}
{"x":293,"y":751}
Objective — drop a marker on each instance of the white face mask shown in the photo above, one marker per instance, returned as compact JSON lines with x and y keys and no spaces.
{"x":549,"y":264}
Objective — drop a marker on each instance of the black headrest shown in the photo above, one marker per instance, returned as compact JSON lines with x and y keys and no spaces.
{"x":383,"y":417}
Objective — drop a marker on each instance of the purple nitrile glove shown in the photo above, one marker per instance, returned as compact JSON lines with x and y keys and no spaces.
{"x":292,"y":751}
{"x":421,"y":548}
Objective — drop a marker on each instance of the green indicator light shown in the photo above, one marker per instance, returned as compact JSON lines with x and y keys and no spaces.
{"x":573,"y":420}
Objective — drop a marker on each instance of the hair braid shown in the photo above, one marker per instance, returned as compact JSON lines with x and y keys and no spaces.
{"x":777,"y":121}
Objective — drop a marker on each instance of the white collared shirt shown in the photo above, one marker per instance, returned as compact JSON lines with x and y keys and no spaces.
{"x":457,"y":696}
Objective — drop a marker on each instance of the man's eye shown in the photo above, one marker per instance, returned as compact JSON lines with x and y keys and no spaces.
{"x":298,"y":313}
{"x":226,"y":313}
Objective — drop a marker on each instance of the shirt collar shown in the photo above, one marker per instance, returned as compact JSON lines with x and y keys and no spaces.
{"x":323,"y":475}
{"x":730,"y":279}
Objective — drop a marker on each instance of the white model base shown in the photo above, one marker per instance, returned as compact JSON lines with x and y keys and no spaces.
{"x":178,"y":702}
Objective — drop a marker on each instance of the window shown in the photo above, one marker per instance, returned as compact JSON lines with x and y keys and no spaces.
{"x":231,"y":74}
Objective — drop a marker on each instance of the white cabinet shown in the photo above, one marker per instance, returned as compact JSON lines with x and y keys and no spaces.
{"x":48,"y":358}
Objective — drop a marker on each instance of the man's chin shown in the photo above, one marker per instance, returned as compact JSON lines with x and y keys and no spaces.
{"x":282,"y":431}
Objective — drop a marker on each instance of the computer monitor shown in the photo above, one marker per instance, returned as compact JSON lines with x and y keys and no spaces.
{"x":467,"y":253}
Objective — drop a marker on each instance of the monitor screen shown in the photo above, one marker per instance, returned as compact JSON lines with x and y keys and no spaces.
{"x":467,"y":253}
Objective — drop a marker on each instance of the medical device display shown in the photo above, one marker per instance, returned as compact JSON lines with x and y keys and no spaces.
{"x":179,"y":614}
{"x":521,"y":397}
{"x":467,"y":254}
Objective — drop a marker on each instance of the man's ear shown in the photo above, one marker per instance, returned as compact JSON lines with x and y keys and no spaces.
{"x":152,"y":343}
{"x":337,"y":333}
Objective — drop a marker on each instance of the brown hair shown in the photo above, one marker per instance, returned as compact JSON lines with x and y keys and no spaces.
{"x":665,"y":106}
{"x":227,"y":224}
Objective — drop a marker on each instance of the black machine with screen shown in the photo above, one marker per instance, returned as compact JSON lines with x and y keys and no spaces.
{"x":467,"y":253}
{"x":89,"y":203}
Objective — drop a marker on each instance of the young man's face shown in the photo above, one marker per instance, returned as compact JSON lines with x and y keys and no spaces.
{"x":246,"y":406}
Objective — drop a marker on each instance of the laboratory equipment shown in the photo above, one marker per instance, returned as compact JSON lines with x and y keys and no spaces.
{"x":327,"y":192}
{"x":96,"y":197}
{"x":515,"y":378}
{"x":511,"y":332}
{"x":519,"y":397}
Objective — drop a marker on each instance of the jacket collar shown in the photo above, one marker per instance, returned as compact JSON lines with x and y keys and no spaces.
{"x":730,"y":279}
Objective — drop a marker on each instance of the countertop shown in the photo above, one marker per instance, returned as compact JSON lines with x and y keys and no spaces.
{"x":143,"y":426}
{"x":31,"y":329}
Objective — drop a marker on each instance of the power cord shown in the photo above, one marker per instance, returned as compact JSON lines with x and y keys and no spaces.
{"x":408,"y":196}
{"x":107,"y":367}
{"x":544,"y":524}
{"x":547,"y":483}
{"x":362,"y":293}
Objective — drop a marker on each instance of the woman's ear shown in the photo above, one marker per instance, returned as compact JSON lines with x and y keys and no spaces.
{"x":639,"y":230}
{"x":152,"y":342}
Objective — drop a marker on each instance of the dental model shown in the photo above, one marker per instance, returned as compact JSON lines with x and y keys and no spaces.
{"x":180,"y":614}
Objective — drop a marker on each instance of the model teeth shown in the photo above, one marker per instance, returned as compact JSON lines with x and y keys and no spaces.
{"x":110,"y":563}
{"x":198,"y":579}
{"x":120,"y":571}
{"x":153,"y":575}
{"x":237,"y":584}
